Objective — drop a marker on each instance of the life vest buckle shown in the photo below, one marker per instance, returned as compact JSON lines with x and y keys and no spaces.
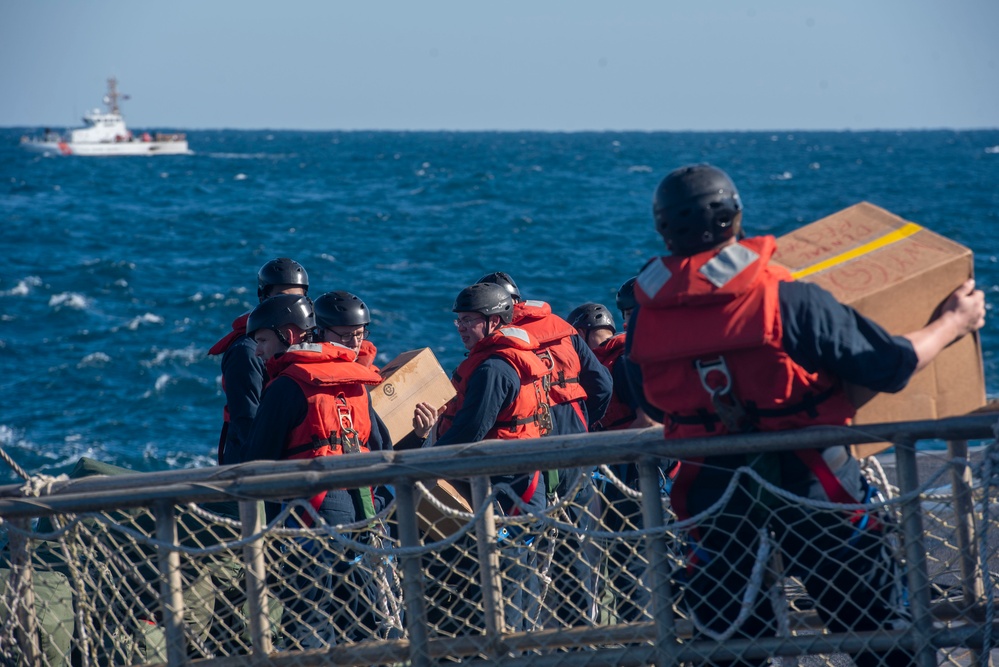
{"x":349,"y":437}
{"x":544,"y":418}
{"x":717,"y":381}
{"x":712,"y":371}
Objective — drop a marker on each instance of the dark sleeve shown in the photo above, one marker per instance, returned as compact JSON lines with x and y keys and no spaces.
{"x":493,"y":387}
{"x":282,"y":408}
{"x":595,"y":379}
{"x":622,"y":386}
{"x":409,"y":441}
{"x":379,"y":439}
{"x":822,"y":333}
{"x":634,"y":374}
{"x":243,"y":374}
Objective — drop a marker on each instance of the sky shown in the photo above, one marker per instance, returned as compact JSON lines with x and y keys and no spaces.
{"x":513,"y":65}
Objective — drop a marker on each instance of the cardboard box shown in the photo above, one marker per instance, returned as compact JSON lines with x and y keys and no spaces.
{"x":412,"y":377}
{"x":434,"y":524}
{"x":897,"y":273}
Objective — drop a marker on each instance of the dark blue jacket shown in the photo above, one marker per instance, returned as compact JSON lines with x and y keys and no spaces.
{"x":243,"y":378}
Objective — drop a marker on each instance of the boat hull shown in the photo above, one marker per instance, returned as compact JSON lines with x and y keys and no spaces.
{"x":108,"y":149}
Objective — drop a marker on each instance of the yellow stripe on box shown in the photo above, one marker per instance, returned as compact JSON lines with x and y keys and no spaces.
{"x":905,"y":231}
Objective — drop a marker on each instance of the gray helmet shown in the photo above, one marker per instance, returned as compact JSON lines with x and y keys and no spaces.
{"x":280,"y":310}
{"x":625,"y":299}
{"x":504,"y":280}
{"x":592,"y":316}
{"x":281,"y":271}
{"x":341,"y":309}
{"x":696,"y":208}
{"x":485,"y":299}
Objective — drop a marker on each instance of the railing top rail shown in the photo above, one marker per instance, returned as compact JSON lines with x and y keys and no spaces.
{"x":273,"y":479}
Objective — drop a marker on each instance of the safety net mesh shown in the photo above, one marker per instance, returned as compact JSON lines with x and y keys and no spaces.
{"x":616,"y":570}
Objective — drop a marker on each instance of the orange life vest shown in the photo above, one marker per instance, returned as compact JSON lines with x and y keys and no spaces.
{"x":710,"y":325}
{"x":619,"y":414}
{"x":338,"y":419}
{"x":527,"y":416}
{"x":554,"y":336}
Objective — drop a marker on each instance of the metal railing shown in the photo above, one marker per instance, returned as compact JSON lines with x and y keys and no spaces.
{"x":190,"y":566}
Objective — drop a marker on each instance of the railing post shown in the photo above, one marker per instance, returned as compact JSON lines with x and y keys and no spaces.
{"x":489,"y":572}
{"x":915,"y":554}
{"x":658,"y":569}
{"x":413,"y":588}
{"x":255,"y":569}
{"x":21,"y":592}
{"x":972,"y":586}
{"x":171,"y":586}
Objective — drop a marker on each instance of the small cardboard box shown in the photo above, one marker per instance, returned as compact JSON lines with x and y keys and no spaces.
{"x":412,"y":377}
{"x":898,"y":274}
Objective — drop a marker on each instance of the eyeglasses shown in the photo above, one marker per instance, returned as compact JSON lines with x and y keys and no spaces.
{"x":357,"y":334}
{"x":468,"y":322}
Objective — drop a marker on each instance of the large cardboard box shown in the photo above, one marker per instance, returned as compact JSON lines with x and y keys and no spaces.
{"x":898,"y":274}
{"x":412,"y":377}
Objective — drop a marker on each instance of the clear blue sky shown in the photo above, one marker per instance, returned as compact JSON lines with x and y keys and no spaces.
{"x":516,"y":64}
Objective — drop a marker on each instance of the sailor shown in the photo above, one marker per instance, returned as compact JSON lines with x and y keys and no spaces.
{"x":578,"y":391}
{"x":727,"y":342}
{"x":316,"y":404}
{"x":580,"y":387}
{"x":242,"y":370}
{"x":343,"y":318}
{"x":499,"y":384}
{"x":625,"y":300}
{"x":499,"y":396}
{"x":595,"y":325}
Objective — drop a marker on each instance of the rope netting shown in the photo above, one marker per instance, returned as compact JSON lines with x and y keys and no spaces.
{"x":753,"y":570}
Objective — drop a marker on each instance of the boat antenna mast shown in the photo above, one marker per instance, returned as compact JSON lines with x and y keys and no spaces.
{"x":112,"y":97}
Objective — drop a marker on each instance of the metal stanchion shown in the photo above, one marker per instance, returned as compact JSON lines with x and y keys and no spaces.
{"x":659,"y":570}
{"x":251,"y":516}
{"x":171,"y":586}
{"x":972,"y":586}
{"x":22,"y":593}
{"x":489,"y":568}
{"x":915,"y":554}
{"x":413,"y":588}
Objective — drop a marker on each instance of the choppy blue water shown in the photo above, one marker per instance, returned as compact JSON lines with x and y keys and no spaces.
{"x":119,"y":273}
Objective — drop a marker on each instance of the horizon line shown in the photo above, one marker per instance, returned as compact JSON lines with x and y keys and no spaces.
{"x":539,"y":131}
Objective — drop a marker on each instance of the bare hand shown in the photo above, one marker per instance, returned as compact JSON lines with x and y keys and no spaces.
{"x":424,"y":418}
{"x":962,"y":313}
{"x":966,"y":308}
{"x":642,"y":420}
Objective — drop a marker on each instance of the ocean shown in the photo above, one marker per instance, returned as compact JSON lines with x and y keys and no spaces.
{"x":118,"y":274}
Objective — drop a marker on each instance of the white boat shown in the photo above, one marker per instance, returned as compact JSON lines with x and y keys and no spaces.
{"x":106,"y":134}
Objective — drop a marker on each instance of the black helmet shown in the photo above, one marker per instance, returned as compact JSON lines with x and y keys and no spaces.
{"x":592,"y":316}
{"x":504,"y":280}
{"x":626,"y":296}
{"x":485,"y":299}
{"x":341,"y":309}
{"x":280,"y":310}
{"x":696,"y":208}
{"x":281,"y":271}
